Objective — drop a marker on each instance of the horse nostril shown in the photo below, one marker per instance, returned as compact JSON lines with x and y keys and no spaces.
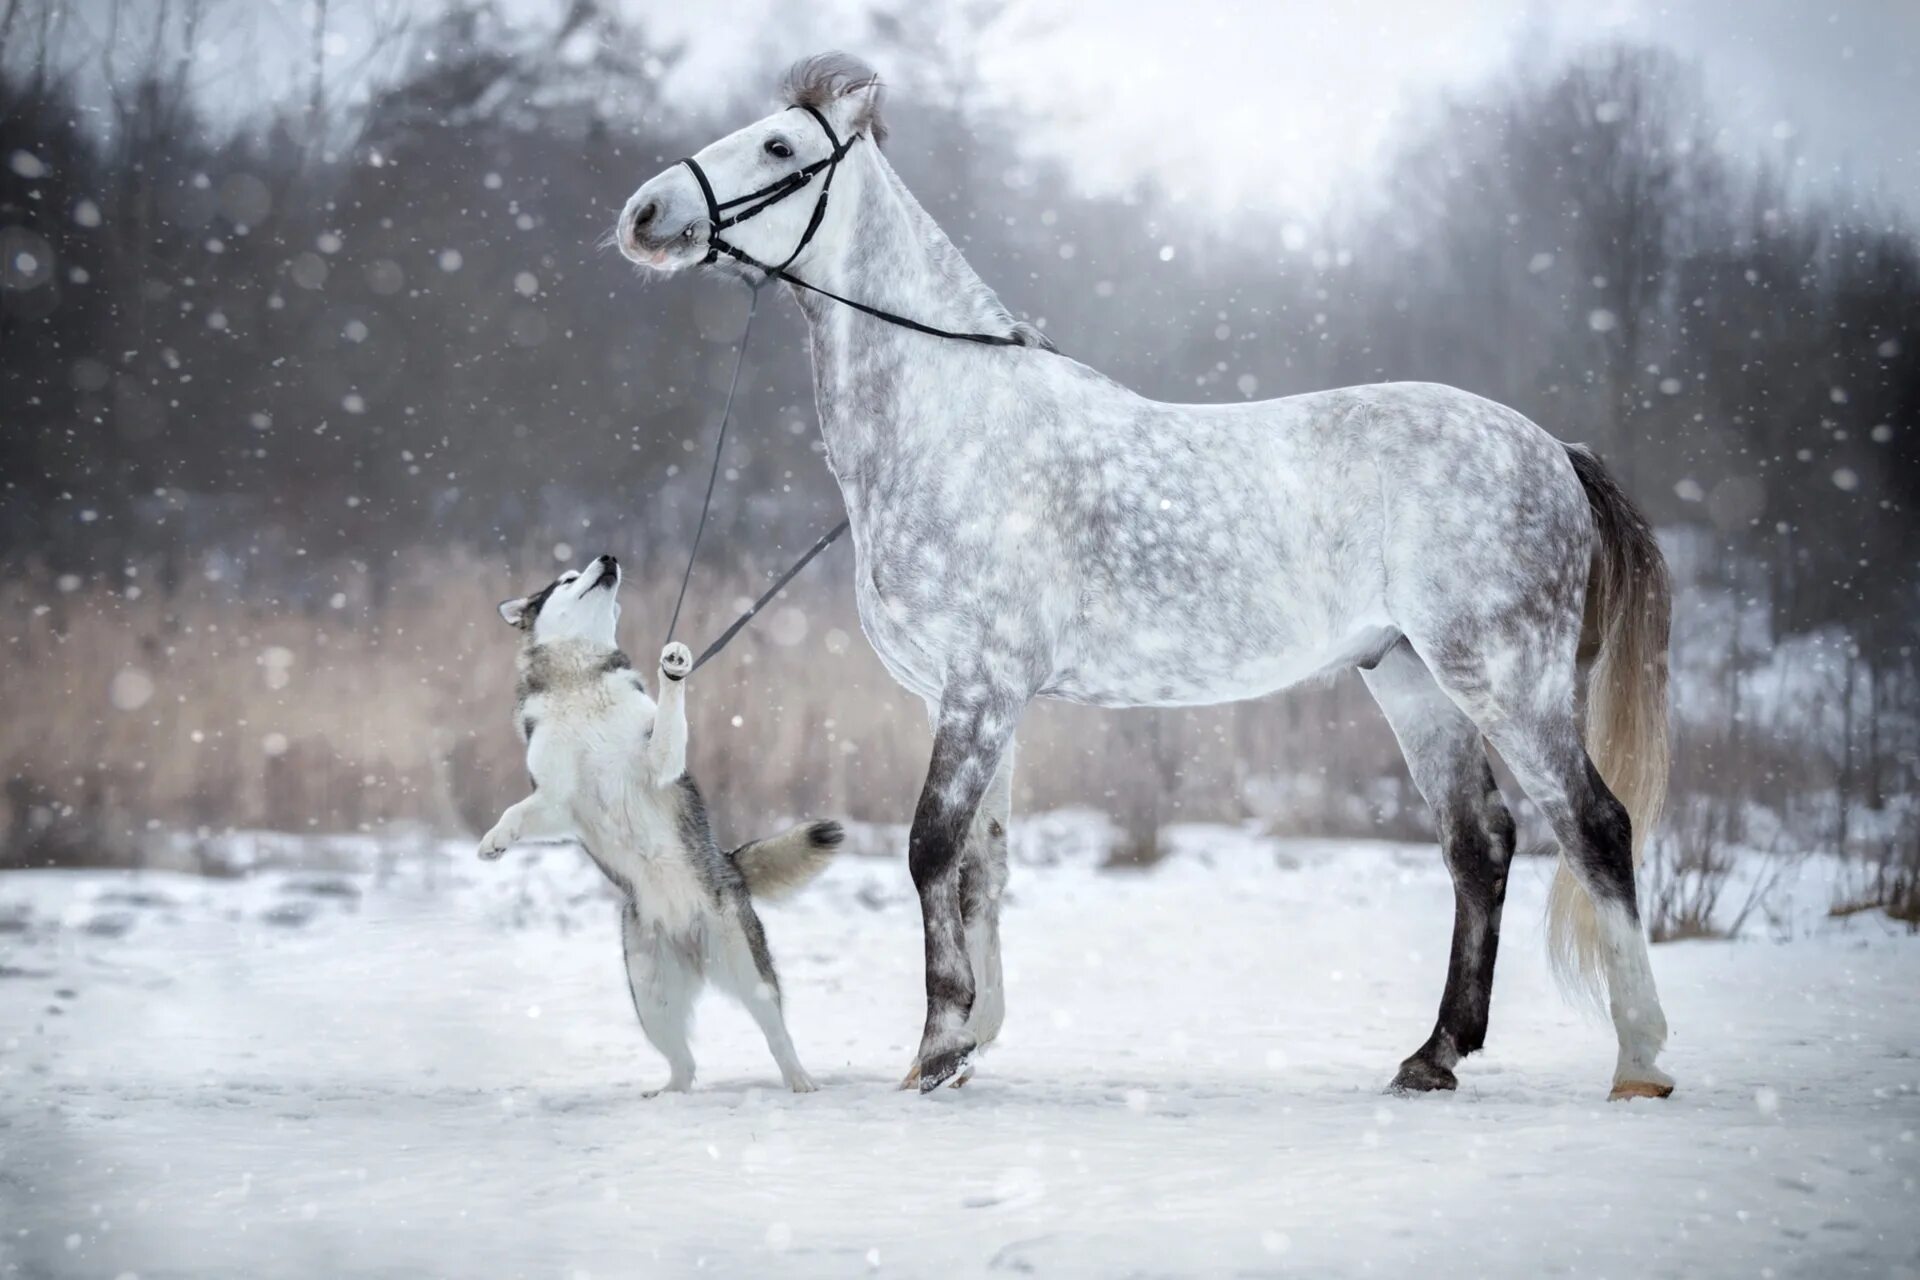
{"x":645,"y":215}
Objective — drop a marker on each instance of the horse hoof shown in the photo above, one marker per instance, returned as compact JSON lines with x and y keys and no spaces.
{"x":955,"y":1065}
{"x":913,"y":1076}
{"x":1625,"y":1089}
{"x":1417,"y":1075}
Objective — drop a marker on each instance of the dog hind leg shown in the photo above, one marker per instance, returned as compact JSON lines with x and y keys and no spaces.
{"x":663,"y":978}
{"x":743,"y":966}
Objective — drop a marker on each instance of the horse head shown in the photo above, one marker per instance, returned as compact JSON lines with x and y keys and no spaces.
{"x":757,"y":197}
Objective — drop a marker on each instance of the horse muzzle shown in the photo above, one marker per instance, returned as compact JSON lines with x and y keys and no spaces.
{"x":662,"y":228}
{"x":665,"y":253}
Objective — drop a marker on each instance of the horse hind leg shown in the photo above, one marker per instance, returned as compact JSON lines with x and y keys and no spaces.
{"x":1525,"y":705}
{"x":1596,"y":840}
{"x":1448,"y":762}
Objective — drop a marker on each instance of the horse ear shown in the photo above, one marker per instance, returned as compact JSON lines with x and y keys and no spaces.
{"x":840,"y":85}
{"x":863,"y":109}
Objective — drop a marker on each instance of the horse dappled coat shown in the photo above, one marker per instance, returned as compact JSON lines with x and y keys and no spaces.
{"x":1024,"y":527}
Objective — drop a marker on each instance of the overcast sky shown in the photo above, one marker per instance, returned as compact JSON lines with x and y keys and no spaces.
{"x":1275,"y":103}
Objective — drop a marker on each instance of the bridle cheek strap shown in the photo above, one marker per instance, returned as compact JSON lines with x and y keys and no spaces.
{"x":756,"y":202}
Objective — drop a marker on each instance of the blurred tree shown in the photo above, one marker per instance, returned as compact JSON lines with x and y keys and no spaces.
{"x":283,"y":350}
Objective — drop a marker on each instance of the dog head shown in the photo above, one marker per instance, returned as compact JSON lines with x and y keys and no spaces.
{"x":581,"y":605}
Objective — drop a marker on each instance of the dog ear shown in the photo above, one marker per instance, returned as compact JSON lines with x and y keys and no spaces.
{"x":515,"y":612}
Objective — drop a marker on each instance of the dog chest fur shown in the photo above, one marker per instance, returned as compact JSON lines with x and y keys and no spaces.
{"x":592,"y":722}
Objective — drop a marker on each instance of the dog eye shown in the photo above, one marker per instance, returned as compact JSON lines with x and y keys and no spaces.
{"x":778,"y":149}
{"x":568,"y":577}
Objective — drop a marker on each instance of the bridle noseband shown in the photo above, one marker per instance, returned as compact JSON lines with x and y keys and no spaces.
{"x":758,"y":202}
{"x":755,"y":203}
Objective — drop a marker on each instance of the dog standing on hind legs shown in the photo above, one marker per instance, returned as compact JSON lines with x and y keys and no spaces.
{"x":609,"y":770}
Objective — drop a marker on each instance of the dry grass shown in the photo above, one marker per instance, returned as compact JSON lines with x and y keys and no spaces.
{"x":135,"y":713}
{"x":1887,"y":874}
{"x":1691,"y":876}
{"x":138,"y":711}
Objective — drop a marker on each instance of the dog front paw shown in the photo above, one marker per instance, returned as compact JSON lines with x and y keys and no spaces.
{"x":497,"y":842}
{"x":676,"y":661}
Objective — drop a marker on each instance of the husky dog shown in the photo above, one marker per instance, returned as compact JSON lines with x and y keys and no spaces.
{"x":609,"y":769}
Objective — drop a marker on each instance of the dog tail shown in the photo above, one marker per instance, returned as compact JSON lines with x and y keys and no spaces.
{"x":779,"y":865}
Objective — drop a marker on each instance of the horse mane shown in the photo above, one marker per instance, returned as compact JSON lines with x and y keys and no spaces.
{"x":953,"y":265}
{"x":824,"y":78}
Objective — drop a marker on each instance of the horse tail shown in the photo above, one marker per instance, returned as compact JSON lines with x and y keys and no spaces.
{"x":1623,"y":650}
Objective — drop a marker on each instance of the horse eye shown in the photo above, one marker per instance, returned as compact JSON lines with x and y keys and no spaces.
{"x":779,"y":149}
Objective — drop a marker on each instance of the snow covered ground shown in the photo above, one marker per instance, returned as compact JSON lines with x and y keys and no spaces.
{"x":429,"y":1068}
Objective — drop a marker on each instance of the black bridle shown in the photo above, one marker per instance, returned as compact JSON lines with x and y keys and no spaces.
{"x":755,"y":203}
{"x":758,"y":202}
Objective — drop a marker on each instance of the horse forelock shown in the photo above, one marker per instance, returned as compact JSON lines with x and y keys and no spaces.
{"x":825,"y":78}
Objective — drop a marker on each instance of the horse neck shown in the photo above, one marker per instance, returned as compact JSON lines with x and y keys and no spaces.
{"x":886,"y":252}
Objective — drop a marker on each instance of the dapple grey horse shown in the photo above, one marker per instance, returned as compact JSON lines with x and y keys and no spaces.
{"x":1024,"y":528}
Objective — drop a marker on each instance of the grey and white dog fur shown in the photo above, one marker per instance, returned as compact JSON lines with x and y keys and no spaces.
{"x":609,"y":770}
{"x":1025,"y":527}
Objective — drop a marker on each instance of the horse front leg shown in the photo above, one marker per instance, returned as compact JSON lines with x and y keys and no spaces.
{"x":972,"y":733}
{"x":983,"y":882}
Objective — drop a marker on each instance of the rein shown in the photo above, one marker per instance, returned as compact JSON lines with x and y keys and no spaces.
{"x":821,"y":544}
